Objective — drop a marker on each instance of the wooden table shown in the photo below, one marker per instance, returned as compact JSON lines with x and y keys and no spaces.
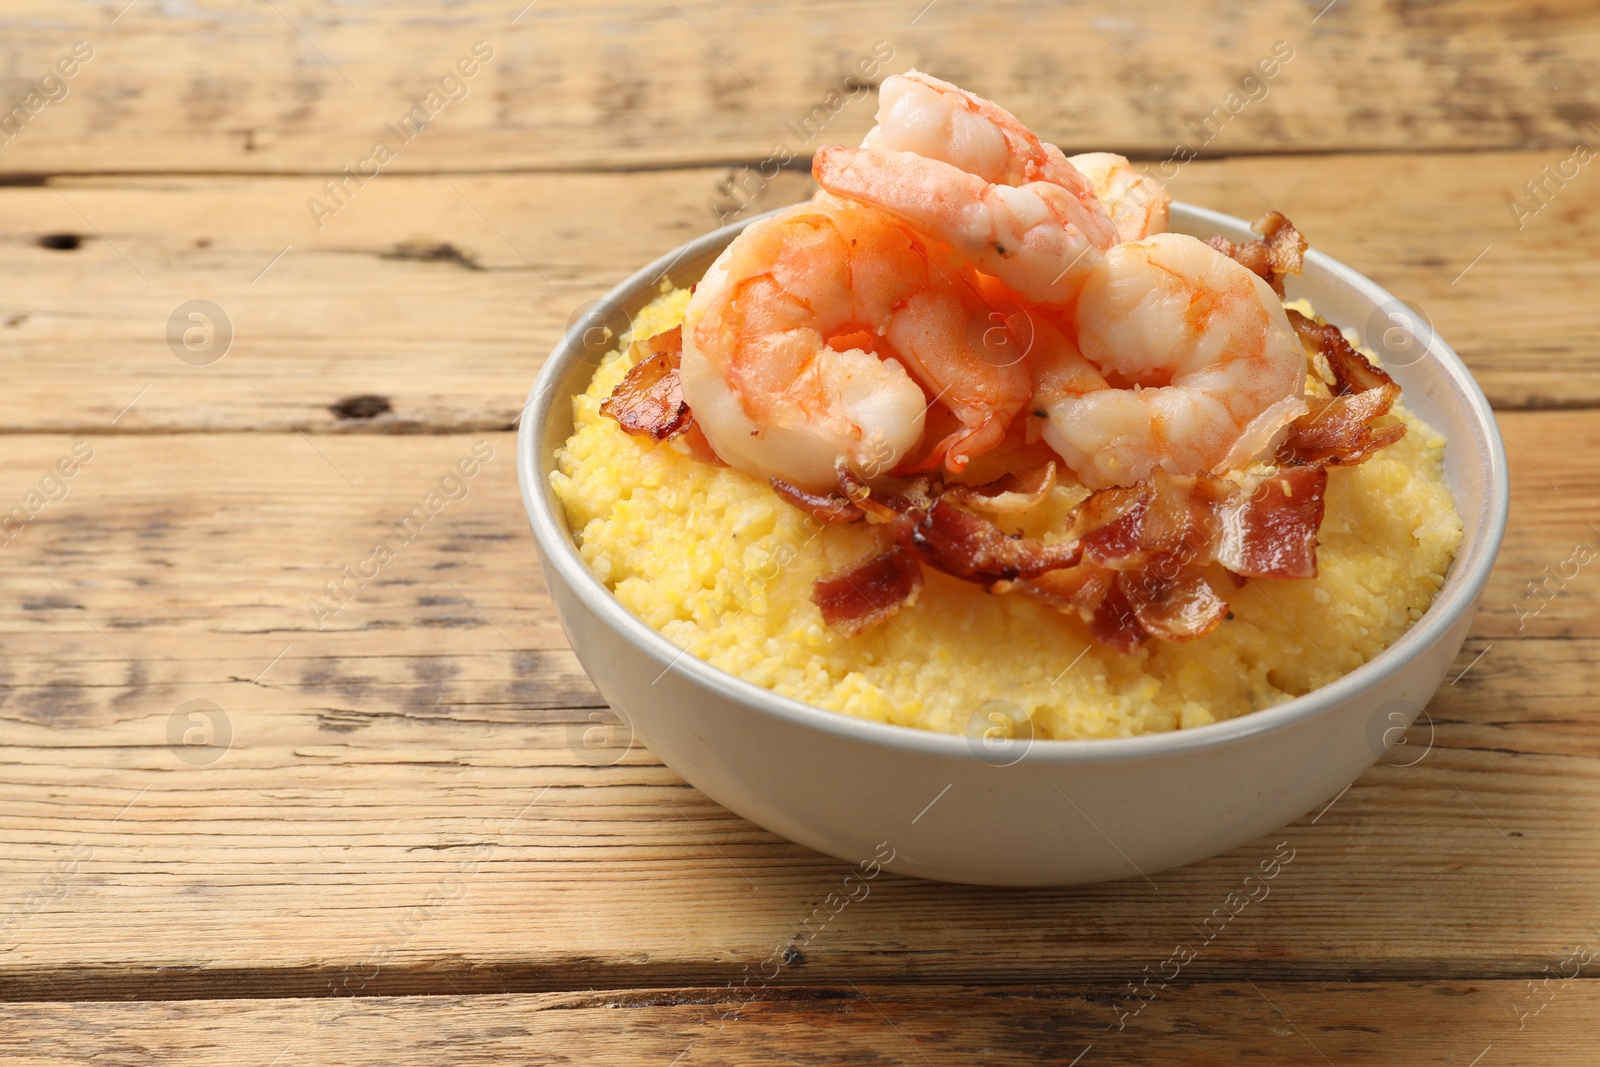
{"x":237,"y":829}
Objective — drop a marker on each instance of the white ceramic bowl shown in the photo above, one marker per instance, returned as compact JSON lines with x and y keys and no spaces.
{"x":1021,"y":813}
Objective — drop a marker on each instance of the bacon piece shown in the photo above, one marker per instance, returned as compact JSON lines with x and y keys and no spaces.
{"x":1113,"y":522}
{"x":1286,"y":247}
{"x":1133,"y":569}
{"x":868,"y":592}
{"x":1079,"y":589}
{"x":1142,"y":550}
{"x":1339,"y":431}
{"x":1115,"y":622}
{"x":1167,"y":515}
{"x":1093,"y":593}
{"x":1352,"y":371}
{"x":967,"y":546}
{"x":1007,"y":494}
{"x":949,"y":538}
{"x":1172,"y":599}
{"x":1272,"y":532}
{"x":824,"y":507}
{"x":1280,"y":251}
{"x":649,"y":399}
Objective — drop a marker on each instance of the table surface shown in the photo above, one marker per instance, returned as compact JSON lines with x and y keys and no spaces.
{"x":234,"y":830}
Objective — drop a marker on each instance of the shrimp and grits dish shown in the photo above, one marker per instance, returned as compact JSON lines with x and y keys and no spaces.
{"x":971,"y":429}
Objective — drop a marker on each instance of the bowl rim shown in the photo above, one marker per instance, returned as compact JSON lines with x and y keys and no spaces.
{"x":1459,"y":594}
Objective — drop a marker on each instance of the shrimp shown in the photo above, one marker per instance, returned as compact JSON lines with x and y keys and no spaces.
{"x":801,"y":342}
{"x":1203,"y":367}
{"x":1136,"y":202}
{"x":920,"y":114}
{"x":1037,"y":237}
{"x":936,"y":145}
{"x":1055,"y":365}
{"x":1214,"y":369}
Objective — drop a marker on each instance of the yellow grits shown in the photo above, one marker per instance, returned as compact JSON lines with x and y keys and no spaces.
{"x":715,"y":561}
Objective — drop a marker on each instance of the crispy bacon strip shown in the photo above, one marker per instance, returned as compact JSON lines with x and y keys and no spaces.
{"x":950,"y":538}
{"x":1280,"y":251}
{"x":1080,"y":588}
{"x":1133,"y":569}
{"x":1352,"y":372}
{"x":968,"y":546}
{"x":863,"y":595}
{"x":1145,"y":548}
{"x":1272,"y":532}
{"x":1115,"y":621}
{"x":1168,"y":515}
{"x":1172,"y":600}
{"x":1007,"y":494}
{"x":649,"y":400}
{"x":824,"y":507}
{"x":1095,"y":594}
{"x":1340,"y":431}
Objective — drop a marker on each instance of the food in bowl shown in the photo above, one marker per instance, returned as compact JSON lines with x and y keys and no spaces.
{"x":970,"y":442}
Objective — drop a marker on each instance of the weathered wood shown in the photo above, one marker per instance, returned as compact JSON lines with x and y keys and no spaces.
{"x":1201,"y":1024}
{"x":419,"y":293}
{"x":411,"y":783}
{"x":294,"y":87}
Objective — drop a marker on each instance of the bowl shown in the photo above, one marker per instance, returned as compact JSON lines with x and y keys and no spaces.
{"x":999,"y":812}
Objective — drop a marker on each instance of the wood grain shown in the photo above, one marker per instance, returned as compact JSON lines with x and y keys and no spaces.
{"x":294,"y":87}
{"x":1204,"y":1024}
{"x":441,"y":295}
{"x":411,"y":783}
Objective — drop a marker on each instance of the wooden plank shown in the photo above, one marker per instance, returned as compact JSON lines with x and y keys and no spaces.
{"x":1198,"y":1023}
{"x":407,"y":804}
{"x":420,"y":293}
{"x":291,"y":87}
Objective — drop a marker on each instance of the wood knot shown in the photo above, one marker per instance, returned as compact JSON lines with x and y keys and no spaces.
{"x":366,"y":406}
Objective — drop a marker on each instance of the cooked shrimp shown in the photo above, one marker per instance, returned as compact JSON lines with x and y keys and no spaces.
{"x":1037,"y":237}
{"x":798,"y":341}
{"x":1044,"y":339}
{"x":920,"y":114}
{"x":1136,"y":201}
{"x":1214,"y":369}
{"x":1019,"y":196}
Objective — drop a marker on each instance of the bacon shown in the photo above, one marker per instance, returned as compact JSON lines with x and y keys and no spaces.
{"x":1115,"y":622}
{"x":824,"y":507}
{"x":967,"y":546}
{"x":950,"y":538}
{"x":1280,"y":251}
{"x":1007,"y":494}
{"x":863,"y":595}
{"x":1093,"y":593}
{"x":1158,"y":536}
{"x":1352,"y":372}
{"x":648,"y":402}
{"x":1080,"y":588}
{"x":1129,"y":527}
{"x":1172,"y":600}
{"x":1339,"y":431}
{"x":1272,"y":532}
{"x":1133,"y":567}
{"x":1145,"y":548}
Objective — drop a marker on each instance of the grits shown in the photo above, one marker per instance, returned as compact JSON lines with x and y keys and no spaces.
{"x":722,"y":567}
